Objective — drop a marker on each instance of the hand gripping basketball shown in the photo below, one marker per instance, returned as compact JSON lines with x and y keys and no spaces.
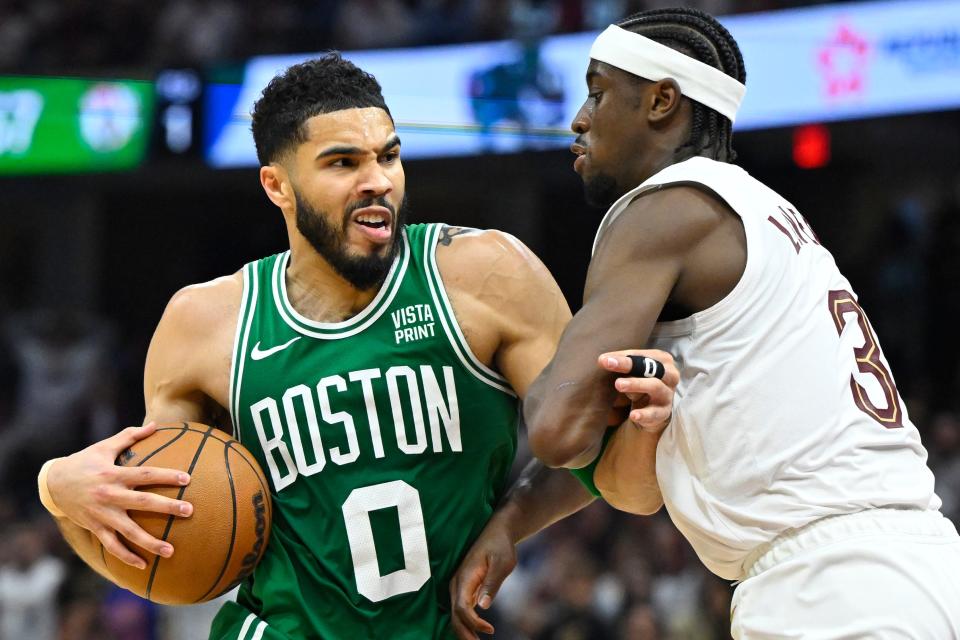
{"x":222,"y":541}
{"x":644,"y":367}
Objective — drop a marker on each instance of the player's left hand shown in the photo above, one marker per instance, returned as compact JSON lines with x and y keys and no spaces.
{"x":490,"y":560}
{"x":651,"y":397}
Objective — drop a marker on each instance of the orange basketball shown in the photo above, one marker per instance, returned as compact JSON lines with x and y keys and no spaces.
{"x":222,"y":541}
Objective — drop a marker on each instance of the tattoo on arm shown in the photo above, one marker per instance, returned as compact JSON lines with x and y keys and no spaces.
{"x":447,"y":234}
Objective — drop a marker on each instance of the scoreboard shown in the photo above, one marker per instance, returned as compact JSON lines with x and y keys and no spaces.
{"x":69,"y":125}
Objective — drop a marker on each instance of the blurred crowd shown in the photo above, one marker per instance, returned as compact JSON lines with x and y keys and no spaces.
{"x":97,"y":36}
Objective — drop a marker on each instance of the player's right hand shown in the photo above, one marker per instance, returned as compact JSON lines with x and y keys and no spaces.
{"x":651,"y":397}
{"x":488,"y":563}
{"x":95,"y":493}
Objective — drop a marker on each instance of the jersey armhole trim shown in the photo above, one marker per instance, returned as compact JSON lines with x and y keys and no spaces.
{"x":448,"y":318}
{"x":248,"y":304}
{"x":704,"y":317}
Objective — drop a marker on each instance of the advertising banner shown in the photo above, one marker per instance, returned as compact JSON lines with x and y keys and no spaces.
{"x":818,"y":64}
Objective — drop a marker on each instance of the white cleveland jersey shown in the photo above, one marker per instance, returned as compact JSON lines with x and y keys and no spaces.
{"x":786,"y":410}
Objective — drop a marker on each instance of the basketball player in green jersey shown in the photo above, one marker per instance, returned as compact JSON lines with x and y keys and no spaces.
{"x":373,"y":370}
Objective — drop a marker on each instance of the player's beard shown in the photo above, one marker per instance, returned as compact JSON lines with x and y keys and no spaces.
{"x":601,"y":190}
{"x":361,"y":271}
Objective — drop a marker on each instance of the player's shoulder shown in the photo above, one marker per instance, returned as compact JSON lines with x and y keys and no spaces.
{"x":206,"y":307}
{"x":678,"y":205}
{"x":492,"y":275}
{"x":468,"y":254}
{"x":668,"y":218}
{"x":499,"y":290}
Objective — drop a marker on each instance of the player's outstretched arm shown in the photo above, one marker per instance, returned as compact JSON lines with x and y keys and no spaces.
{"x":88,"y":494}
{"x":641,"y":263}
{"x":540,"y":497}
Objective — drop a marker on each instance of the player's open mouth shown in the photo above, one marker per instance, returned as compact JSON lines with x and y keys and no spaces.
{"x":375,"y":223}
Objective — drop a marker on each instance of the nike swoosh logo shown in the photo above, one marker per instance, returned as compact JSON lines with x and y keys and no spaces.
{"x":257,"y":354}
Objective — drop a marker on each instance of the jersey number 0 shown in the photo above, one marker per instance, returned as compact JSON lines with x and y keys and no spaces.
{"x":413,"y":538}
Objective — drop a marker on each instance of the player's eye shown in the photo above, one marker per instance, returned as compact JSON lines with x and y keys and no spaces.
{"x":343,"y":162}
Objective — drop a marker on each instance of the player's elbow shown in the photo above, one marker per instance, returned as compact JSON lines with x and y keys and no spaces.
{"x":556,"y":431}
{"x":554,"y":441}
{"x":555,"y":449}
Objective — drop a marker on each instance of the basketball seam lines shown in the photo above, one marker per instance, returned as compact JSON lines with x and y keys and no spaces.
{"x":183,"y":430}
{"x":233,"y":529}
{"x":192,"y":430}
{"x":166,"y":532}
{"x":266,"y":492}
{"x":266,"y":489}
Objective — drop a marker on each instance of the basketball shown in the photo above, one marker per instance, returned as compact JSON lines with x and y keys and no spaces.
{"x":222,"y":541}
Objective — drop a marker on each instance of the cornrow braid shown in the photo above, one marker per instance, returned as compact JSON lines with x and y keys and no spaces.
{"x":700,"y":36}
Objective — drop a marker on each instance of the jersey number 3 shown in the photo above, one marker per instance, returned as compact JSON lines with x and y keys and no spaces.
{"x":868,"y":361}
{"x":413,"y":538}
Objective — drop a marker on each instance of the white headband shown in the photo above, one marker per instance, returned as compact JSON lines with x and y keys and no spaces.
{"x":648,"y":59}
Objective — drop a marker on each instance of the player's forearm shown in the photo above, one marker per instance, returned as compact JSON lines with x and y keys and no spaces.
{"x":627,"y":473}
{"x":84,"y":544}
{"x":566,"y":420}
{"x":81,"y":540}
{"x":540,"y":497}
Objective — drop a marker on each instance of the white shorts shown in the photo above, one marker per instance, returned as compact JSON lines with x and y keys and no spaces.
{"x":880,"y":573}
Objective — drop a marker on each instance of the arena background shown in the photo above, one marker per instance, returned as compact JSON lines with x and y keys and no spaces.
{"x":89,"y":257}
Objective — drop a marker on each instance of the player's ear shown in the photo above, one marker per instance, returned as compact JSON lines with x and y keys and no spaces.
{"x":664,"y":99}
{"x":276,"y":183}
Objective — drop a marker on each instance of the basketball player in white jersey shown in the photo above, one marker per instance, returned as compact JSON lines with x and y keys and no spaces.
{"x":790,"y":463}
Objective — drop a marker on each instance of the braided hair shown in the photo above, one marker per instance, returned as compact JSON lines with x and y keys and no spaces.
{"x":700,"y":36}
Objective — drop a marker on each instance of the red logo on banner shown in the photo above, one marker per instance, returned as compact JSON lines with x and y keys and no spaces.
{"x":843,"y":62}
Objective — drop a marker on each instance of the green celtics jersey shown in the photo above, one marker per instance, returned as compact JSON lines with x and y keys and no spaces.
{"x":386,"y":443}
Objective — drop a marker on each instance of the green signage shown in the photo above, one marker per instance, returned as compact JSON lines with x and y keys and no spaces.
{"x":65,"y":125}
